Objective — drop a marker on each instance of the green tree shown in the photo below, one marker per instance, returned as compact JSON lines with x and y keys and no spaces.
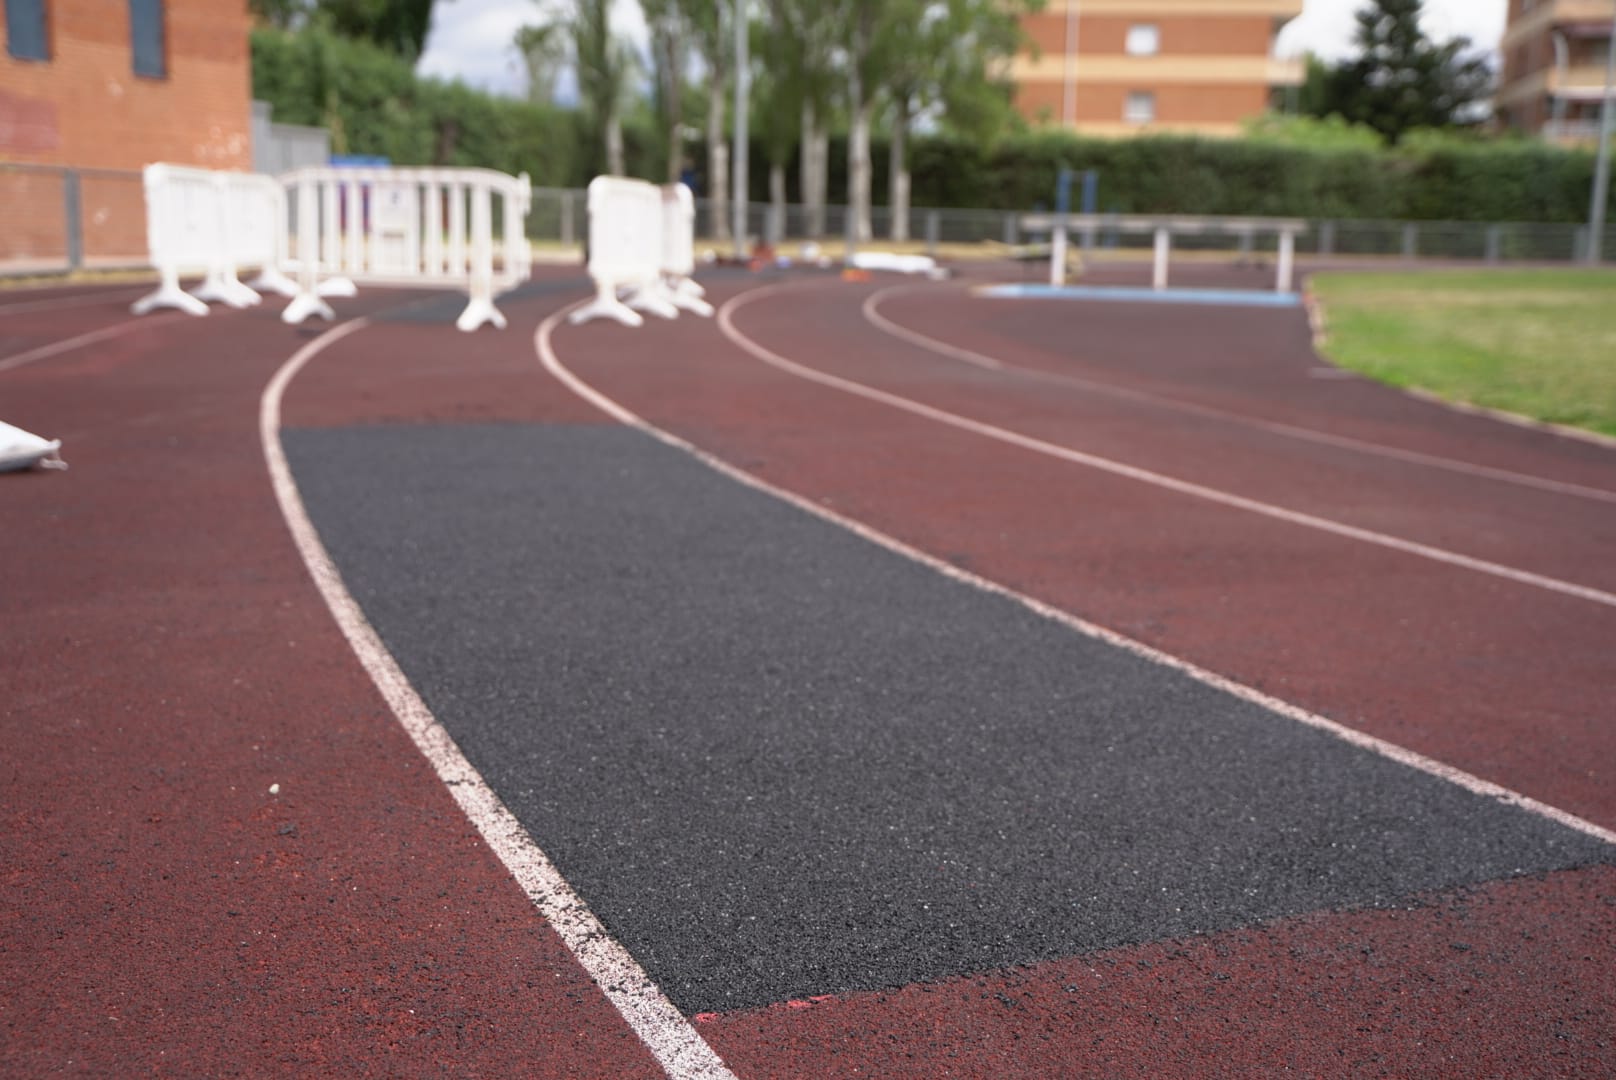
{"x":813,"y":29}
{"x":711,"y":34}
{"x":281,"y":14}
{"x":943,"y":54}
{"x":543,"y":49}
{"x":399,"y":26}
{"x":777,"y":98}
{"x":1401,"y":80}
{"x":669,"y":23}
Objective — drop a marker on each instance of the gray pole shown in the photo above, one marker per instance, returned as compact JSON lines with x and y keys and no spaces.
{"x":1607,"y":121}
{"x":742,"y":92}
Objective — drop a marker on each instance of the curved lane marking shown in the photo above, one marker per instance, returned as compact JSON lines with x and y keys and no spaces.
{"x":672,"y":1040}
{"x":55,"y":348}
{"x":873,"y":315}
{"x":1401,"y":755}
{"x":1132,"y":472}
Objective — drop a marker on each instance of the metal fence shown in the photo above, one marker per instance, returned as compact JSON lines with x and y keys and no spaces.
{"x":55,"y":219}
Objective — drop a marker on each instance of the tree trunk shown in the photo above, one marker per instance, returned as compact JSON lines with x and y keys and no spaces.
{"x":899,"y":199}
{"x":777,"y":204}
{"x":614,"y":145}
{"x":717,"y":160}
{"x":675,"y":106}
{"x":814,"y":154}
{"x":858,"y":164}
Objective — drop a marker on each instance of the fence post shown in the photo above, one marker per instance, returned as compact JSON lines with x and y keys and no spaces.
{"x":568,"y":236}
{"x":1327,"y":238}
{"x":1495,"y":242}
{"x":1411,"y":240}
{"x":1009,"y":230}
{"x":933,"y":227}
{"x":1579,"y":244}
{"x":73,"y":210}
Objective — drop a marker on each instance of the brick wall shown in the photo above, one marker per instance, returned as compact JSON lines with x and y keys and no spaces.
{"x":85,"y":107}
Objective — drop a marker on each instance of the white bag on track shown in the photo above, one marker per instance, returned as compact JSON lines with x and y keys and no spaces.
{"x":20,"y":449}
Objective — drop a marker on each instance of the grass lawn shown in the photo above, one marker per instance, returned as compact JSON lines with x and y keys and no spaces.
{"x":1537,"y":342}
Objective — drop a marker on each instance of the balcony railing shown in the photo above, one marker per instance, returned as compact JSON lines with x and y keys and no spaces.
{"x":1571,"y":131}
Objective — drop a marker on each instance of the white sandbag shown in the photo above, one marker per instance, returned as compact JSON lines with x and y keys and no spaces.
{"x":898,"y":264}
{"x":20,"y":449}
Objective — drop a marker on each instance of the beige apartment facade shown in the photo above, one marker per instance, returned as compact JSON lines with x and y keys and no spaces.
{"x":1554,"y":68}
{"x":1126,"y":67}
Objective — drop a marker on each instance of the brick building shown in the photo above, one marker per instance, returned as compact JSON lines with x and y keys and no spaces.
{"x":91,"y":91}
{"x":1121,"y":67}
{"x":1554,"y":67}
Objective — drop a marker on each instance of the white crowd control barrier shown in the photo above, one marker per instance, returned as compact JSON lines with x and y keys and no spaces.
{"x":215,"y":223}
{"x":625,"y":251}
{"x":388,"y":226}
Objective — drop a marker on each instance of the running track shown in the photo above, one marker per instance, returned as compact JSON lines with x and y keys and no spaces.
{"x":171,"y":662}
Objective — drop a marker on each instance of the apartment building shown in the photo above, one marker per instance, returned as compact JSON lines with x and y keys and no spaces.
{"x":1123,"y":67}
{"x":1554,"y":67}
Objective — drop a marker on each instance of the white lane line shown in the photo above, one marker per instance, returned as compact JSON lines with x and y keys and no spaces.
{"x":56,"y":348}
{"x":1094,"y":461}
{"x":672,"y":1039}
{"x":881,"y":322}
{"x":110,"y":296}
{"x":1374,"y":745}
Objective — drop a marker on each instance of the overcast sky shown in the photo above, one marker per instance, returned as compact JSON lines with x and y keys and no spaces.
{"x":471,"y":39}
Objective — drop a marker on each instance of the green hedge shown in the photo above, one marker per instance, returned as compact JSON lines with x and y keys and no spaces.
{"x":375,"y":104}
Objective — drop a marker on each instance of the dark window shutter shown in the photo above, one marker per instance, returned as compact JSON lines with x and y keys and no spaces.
{"x":26,"y":38}
{"x":147,"y":38}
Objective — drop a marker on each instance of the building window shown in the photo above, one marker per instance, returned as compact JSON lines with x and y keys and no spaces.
{"x":1141,"y":107}
{"x":147,"y":38}
{"x":1144,"y":39}
{"x":26,"y":36}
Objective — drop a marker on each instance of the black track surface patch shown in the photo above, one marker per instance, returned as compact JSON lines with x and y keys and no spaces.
{"x":778,"y":760}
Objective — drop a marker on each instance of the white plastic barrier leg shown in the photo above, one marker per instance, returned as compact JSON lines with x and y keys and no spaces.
{"x":387,"y":227}
{"x":481,"y":308}
{"x":625,"y":251}
{"x":307,"y":301}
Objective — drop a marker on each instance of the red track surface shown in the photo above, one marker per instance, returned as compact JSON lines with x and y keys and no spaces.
{"x":169,"y":661}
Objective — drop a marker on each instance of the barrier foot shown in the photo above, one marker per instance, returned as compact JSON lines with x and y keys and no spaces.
{"x":689,"y":288}
{"x":477,"y":312}
{"x":272,"y":280}
{"x":227,"y":291}
{"x":336,"y":286}
{"x":305,"y":304}
{"x":693,"y":304}
{"x":169,"y":296}
{"x":651,"y":302}
{"x":606,"y":307}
